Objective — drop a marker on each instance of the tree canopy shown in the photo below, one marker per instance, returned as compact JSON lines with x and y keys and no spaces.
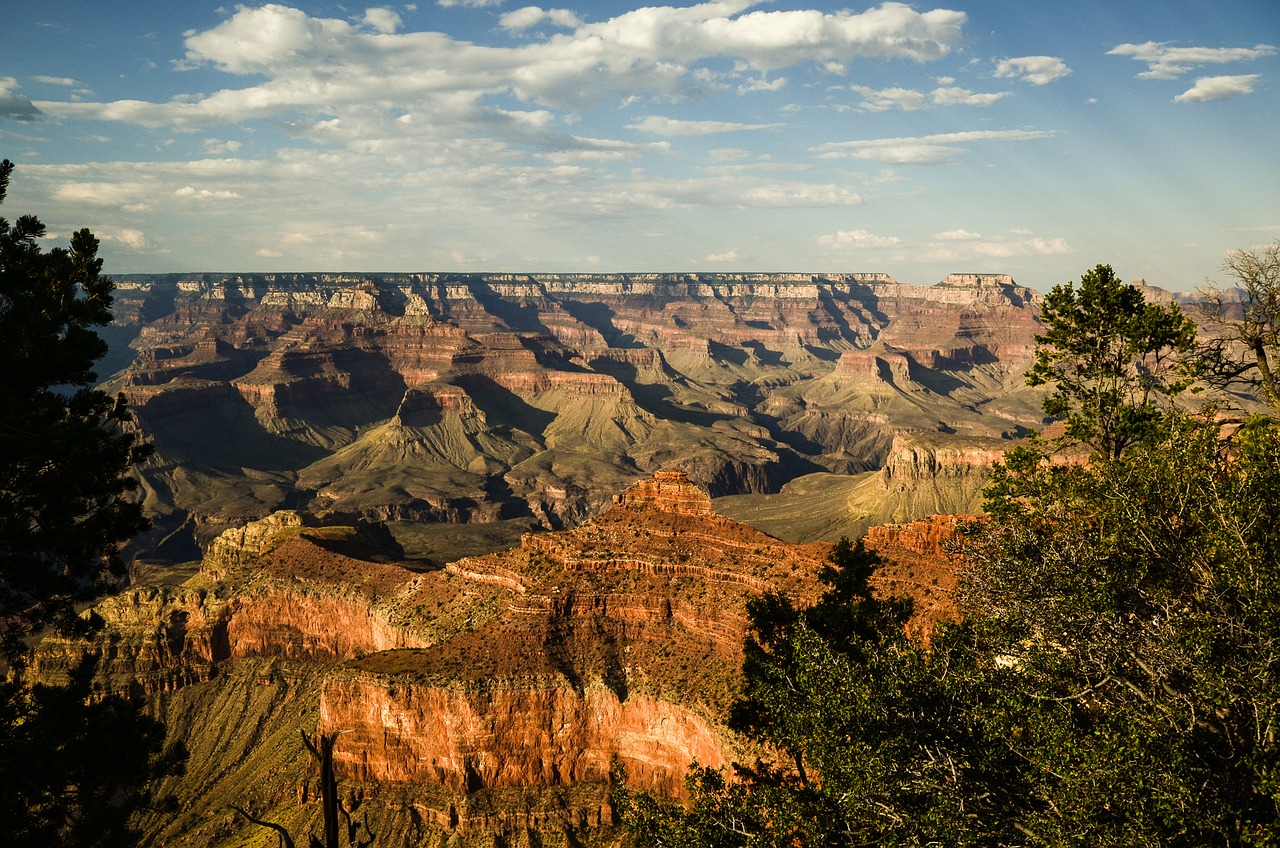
{"x":1109,"y":357}
{"x":71,"y":765}
{"x":65,"y":447}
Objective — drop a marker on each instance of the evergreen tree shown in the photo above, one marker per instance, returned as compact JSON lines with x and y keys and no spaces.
{"x":1110,"y":356}
{"x":72,"y":765}
{"x":65,"y":447}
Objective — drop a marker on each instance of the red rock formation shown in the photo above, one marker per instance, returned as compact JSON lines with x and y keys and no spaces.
{"x":520,"y":735}
{"x":667,"y":491}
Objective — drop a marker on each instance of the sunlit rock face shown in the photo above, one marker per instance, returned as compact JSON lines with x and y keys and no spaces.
{"x":481,"y":398}
{"x":490,"y":697}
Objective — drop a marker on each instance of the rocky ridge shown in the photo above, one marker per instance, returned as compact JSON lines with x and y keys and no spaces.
{"x":483,"y":701}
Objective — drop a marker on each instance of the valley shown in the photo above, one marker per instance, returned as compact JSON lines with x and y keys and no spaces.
{"x":525,"y":401}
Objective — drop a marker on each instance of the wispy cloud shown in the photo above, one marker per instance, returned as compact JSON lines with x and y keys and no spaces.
{"x":909,"y":100}
{"x":65,"y":81}
{"x":961,"y":244}
{"x":1165,"y":61}
{"x":938,"y":149}
{"x":659,"y":125}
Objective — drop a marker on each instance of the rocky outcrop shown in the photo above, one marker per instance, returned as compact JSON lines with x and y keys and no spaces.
{"x":914,"y":459}
{"x":667,"y":491}
{"x":496,"y":736}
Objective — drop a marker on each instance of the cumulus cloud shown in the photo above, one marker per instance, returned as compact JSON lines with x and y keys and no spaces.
{"x":1209,"y":89}
{"x":1037,"y":70}
{"x":730,"y":255}
{"x":313,"y":64}
{"x":14,"y":105}
{"x":382,"y":20}
{"x":938,"y":149}
{"x":65,"y":81}
{"x":847,"y":239}
{"x":954,"y":96}
{"x":659,"y":125}
{"x":126,"y":236}
{"x":531,"y":16}
{"x":762,"y":84}
{"x":1165,"y":61}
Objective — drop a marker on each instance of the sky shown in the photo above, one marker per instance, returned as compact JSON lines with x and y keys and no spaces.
{"x":1028,"y":138}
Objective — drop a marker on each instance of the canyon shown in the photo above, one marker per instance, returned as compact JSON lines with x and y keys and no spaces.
{"x":521,"y":401}
{"x":499,"y":532}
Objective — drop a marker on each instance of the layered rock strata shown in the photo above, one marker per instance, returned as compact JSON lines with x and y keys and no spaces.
{"x":460,"y":398}
{"x":478,"y":701}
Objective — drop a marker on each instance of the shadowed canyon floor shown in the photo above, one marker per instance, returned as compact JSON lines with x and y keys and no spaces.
{"x":484,"y":702}
{"x":530,"y":400}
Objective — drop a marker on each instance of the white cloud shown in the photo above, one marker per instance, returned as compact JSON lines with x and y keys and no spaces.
{"x":884,"y":99}
{"x":958,"y":235}
{"x":659,"y":125}
{"x":728,"y":154}
{"x":203,"y":194}
{"x":762,"y":84}
{"x":268,"y":253}
{"x":475,"y":4}
{"x":909,"y":100}
{"x":65,"y":81}
{"x":216,"y":148}
{"x":14,"y":105}
{"x":531,"y":16}
{"x":1209,"y":89}
{"x":938,"y":149}
{"x":324,"y":65}
{"x":730,"y":255}
{"x":962,"y":244}
{"x":1037,"y":70}
{"x":131,"y":238}
{"x":845,"y":239}
{"x":383,"y":20}
{"x":954,"y":96}
{"x":1166,"y":62}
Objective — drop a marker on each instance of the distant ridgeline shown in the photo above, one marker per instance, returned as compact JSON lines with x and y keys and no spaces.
{"x":534,"y":398}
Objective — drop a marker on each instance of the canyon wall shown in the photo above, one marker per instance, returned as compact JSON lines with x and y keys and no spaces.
{"x":487,"y":398}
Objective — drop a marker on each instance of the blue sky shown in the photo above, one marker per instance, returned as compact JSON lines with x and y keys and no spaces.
{"x":1036,"y":139}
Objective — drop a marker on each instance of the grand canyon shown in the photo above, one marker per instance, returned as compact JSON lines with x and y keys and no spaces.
{"x":499,"y":531}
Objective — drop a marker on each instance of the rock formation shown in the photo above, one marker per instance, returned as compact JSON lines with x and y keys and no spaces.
{"x":483,"y":701}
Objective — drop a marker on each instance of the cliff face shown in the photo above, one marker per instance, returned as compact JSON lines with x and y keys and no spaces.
{"x":477,"y":398}
{"x":482,"y":700}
